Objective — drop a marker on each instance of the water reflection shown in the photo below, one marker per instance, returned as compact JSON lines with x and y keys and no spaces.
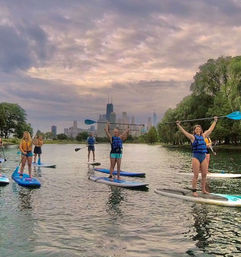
{"x":114,"y":201}
{"x":25,"y":199}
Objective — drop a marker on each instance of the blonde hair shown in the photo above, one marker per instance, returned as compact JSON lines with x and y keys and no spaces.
{"x":27,"y":136}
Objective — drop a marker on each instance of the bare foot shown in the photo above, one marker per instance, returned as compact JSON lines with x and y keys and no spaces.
{"x":205,"y":192}
{"x":195,"y":194}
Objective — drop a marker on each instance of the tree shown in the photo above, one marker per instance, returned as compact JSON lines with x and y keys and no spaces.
{"x":151,"y":136}
{"x":82,"y":136}
{"x":13,"y":120}
{"x":62,"y":136}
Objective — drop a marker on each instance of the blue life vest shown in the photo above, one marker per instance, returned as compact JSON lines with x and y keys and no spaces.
{"x":91,"y":141}
{"x":199,"y":145}
{"x":116,"y":145}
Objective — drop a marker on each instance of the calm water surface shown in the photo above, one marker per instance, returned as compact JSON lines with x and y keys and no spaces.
{"x":73,"y":216}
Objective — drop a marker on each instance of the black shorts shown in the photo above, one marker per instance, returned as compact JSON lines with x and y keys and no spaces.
{"x":91,"y":148}
{"x":37,"y":150}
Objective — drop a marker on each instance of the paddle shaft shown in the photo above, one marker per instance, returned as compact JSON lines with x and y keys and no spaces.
{"x":129,"y":124}
{"x":4,"y":154}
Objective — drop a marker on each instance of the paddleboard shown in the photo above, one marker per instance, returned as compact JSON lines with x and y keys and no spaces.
{"x":25,"y":180}
{"x":119,"y":183}
{"x":215,"y":175}
{"x":216,"y":199}
{"x":122,"y":173}
{"x":3,"y":180}
{"x":44,"y":165}
{"x":94,"y":163}
{"x":2,"y":160}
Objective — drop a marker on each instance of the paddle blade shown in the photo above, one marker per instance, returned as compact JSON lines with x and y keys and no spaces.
{"x":89,"y":122}
{"x":77,"y":149}
{"x":234,"y":115}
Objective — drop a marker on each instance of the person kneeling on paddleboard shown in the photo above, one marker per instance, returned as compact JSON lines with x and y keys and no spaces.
{"x":199,"y":150}
{"x":26,"y":150}
{"x":91,"y":146}
{"x":116,"y":148}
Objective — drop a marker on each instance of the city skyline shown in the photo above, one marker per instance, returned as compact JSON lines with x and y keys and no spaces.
{"x":60,"y":60}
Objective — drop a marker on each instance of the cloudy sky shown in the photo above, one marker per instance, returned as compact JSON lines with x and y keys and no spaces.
{"x":61,"y":59}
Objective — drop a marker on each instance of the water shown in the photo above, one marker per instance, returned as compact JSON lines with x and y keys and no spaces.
{"x":73,"y":216}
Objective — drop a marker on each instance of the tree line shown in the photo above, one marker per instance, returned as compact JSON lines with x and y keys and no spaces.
{"x":215,"y":91}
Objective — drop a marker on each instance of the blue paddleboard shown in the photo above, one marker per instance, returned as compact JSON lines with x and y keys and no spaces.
{"x":119,"y":183}
{"x":122,"y":173}
{"x":25,"y":180}
{"x":3,"y":180}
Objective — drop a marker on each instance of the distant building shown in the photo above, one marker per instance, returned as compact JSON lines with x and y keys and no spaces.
{"x":112,"y":120}
{"x":54,"y":131}
{"x":109,"y":110}
{"x":154,"y":117}
{"x":73,"y":131}
{"x":101,"y":123}
{"x":149,"y":123}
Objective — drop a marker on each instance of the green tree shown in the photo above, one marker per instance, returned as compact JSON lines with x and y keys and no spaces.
{"x":151,"y":136}
{"x":13,"y":120}
{"x":62,"y":136}
{"x":82,"y":136}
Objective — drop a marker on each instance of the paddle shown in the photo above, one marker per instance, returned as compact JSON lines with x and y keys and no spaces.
{"x":77,"y":149}
{"x":233,"y":116}
{"x":90,"y":122}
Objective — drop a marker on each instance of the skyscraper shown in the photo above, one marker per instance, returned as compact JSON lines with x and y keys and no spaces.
{"x":154,"y":118}
{"x":109,"y":110}
{"x":54,"y":131}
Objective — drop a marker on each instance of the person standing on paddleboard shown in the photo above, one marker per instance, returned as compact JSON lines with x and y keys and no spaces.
{"x":91,"y":146}
{"x":38,"y":142}
{"x":199,"y":150}
{"x":26,"y":150}
{"x":116,"y":148}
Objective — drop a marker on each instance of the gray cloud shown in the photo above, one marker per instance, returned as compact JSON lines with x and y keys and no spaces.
{"x":61,"y":59}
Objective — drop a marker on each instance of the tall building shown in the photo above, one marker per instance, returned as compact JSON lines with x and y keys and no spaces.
{"x":112,"y":120}
{"x":101,"y":125}
{"x":54,"y":131}
{"x":109,"y":110}
{"x":73,"y":131}
{"x":149,"y":123}
{"x":154,"y":118}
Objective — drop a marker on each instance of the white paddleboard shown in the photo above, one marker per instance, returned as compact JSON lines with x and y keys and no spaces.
{"x":44,"y":165}
{"x":3,"y":180}
{"x":214,"y":175}
{"x":2,"y":160}
{"x":119,"y":183}
{"x":216,"y":199}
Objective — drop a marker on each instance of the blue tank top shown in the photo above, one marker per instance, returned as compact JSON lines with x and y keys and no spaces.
{"x":91,"y":141}
{"x":199,"y":145}
{"x":116,"y":145}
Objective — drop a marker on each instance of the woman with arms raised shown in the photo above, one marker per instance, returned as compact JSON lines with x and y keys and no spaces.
{"x":116,"y":148}
{"x":199,"y":150}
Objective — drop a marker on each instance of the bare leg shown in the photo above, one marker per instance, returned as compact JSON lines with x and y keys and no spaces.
{"x":35,"y":157}
{"x":112,"y":165}
{"x":88,"y":156}
{"x":196,"y":169}
{"x":30,"y":166}
{"x":93,"y":155}
{"x":118,"y":167}
{"x":208,"y":159}
{"x":39,"y":159}
{"x":23,"y":164}
{"x":204,"y":170}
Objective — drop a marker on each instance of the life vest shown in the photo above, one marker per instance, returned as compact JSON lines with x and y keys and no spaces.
{"x":208,"y":141}
{"x":199,"y":145}
{"x":26,"y":146}
{"x":91,"y":141}
{"x":116,"y":145}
